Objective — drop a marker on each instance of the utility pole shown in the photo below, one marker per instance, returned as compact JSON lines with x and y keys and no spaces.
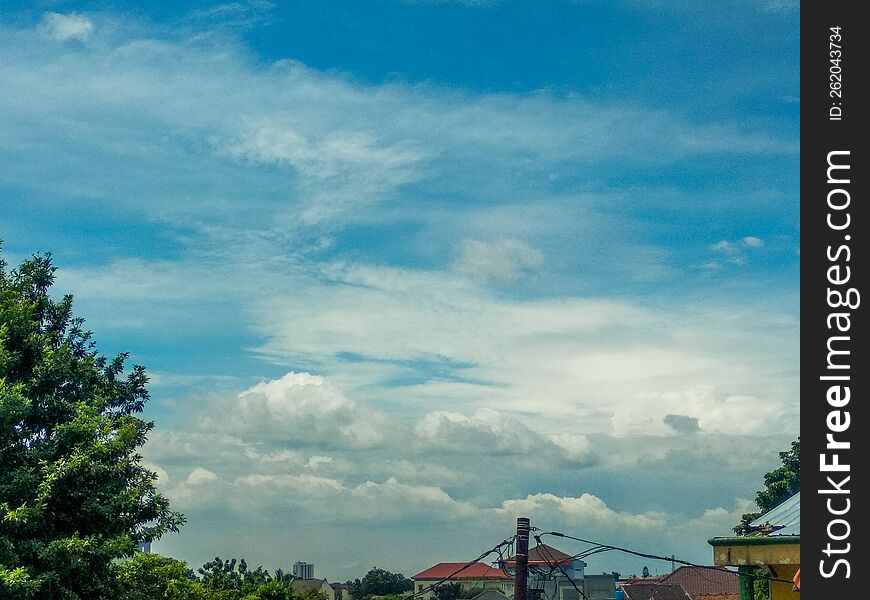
{"x":521,"y":575}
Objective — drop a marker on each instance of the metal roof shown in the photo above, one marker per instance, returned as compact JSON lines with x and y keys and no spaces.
{"x":784,"y":519}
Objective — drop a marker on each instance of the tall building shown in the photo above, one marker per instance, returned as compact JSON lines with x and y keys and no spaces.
{"x":303,"y":570}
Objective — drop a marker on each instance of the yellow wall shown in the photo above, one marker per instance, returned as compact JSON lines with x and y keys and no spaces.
{"x":780,"y":590}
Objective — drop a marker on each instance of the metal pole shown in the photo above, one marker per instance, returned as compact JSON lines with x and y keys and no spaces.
{"x":522,"y":557}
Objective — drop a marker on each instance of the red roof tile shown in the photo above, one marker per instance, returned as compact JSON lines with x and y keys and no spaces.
{"x":542,"y":554}
{"x":654,"y":591}
{"x":475,"y":571}
{"x":698,"y":580}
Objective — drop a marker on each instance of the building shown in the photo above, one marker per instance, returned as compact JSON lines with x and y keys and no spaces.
{"x":143,"y":547}
{"x":475,"y":577}
{"x":695,"y":583}
{"x":599,"y":587}
{"x":341,"y":591}
{"x":554,"y":575}
{"x":700,"y":582}
{"x":773,"y":546}
{"x":303,"y":570}
{"x":654,"y":590}
{"x":317,"y":585}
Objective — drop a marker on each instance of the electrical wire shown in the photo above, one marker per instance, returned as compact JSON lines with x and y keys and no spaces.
{"x":608,"y":547}
{"x":443,"y":580}
{"x":553,"y":563}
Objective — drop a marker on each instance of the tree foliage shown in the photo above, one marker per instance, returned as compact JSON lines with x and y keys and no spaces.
{"x":779,"y":485}
{"x":447,"y":591}
{"x":74,"y":495}
{"x":378,"y":582}
{"x":153,"y":577}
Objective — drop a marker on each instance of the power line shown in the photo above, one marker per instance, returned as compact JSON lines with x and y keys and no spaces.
{"x":432,"y":586}
{"x":607,"y":547}
{"x":555,"y":563}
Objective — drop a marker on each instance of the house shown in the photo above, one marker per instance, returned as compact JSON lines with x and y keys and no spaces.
{"x":318,"y":585}
{"x":694,"y":583}
{"x":471,"y":577}
{"x":653,"y":591}
{"x":701,"y":583}
{"x":774,"y":546}
{"x":553,"y":575}
{"x":599,"y":587}
{"x":341,"y":591}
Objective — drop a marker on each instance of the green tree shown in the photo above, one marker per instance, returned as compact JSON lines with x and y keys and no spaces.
{"x":779,"y":485}
{"x":378,"y":582}
{"x":447,"y":591}
{"x":153,"y":577}
{"x":74,"y":495}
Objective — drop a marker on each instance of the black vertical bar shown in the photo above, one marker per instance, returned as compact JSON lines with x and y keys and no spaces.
{"x":834,"y":222}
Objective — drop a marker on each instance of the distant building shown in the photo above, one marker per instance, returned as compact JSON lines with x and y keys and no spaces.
{"x":341,"y":591}
{"x":599,"y":587}
{"x":143,"y":547}
{"x":554,"y":575}
{"x":701,"y":583}
{"x":685,"y":583}
{"x":476,"y":577}
{"x":653,"y":591}
{"x":317,"y":585}
{"x":303,"y":570}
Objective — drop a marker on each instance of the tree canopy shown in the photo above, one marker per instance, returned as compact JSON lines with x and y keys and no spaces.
{"x":74,"y":494}
{"x":152,"y":577}
{"x":378,"y":582}
{"x":779,"y":485}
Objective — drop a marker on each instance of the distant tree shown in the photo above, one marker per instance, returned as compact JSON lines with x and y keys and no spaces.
{"x":152,"y":576}
{"x":645,"y":572}
{"x":74,"y":495}
{"x":232,"y":575}
{"x":378,"y":582}
{"x":779,"y":485}
{"x":447,"y":591}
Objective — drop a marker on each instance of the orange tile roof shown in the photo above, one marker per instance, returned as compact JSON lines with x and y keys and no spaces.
{"x":475,"y":571}
{"x":542,"y":554}
{"x":698,"y":580}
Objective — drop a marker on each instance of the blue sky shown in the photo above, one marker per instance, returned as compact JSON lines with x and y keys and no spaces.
{"x":364,"y":247}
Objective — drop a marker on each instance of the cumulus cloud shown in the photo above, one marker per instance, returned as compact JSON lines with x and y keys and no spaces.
{"x":736,"y":252}
{"x":300,"y":408}
{"x":489,"y":431}
{"x":66,"y":27}
{"x":501,"y":261}
{"x":200,"y":476}
{"x":586,"y":509}
{"x":666,"y":413}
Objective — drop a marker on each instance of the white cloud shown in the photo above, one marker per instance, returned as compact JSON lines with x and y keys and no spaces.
{"x":200,"y":476}
{"x":501,"y":261}
{"x":586,"y":509}
{"x":305,"y":408}
{"x":489,"y":431}
{"x":67,"y":27}
{"x":736,"y":252}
